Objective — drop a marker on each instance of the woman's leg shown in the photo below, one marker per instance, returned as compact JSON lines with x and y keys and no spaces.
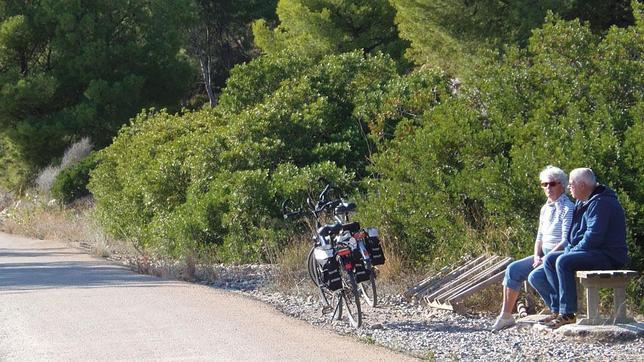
{"x":515,"y":274}
{"x":510,"y":297}
{"x":545,"y":281}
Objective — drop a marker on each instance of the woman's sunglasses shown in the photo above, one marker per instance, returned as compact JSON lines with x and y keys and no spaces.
{"x":551,"y":184}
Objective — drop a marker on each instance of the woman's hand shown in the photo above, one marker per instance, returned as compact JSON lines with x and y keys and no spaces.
{"x":536,"y":261}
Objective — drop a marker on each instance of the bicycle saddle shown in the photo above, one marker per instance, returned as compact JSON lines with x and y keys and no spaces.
{"x":345,"y":207}
{"x":329,"y":229}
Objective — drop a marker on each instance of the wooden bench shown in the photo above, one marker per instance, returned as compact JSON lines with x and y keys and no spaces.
{"x":616,"y":279}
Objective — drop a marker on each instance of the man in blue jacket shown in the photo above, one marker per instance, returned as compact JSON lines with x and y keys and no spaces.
{"x":597,"y":240}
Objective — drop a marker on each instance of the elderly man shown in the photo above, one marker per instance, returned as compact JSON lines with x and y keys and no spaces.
{"x":597,"y":240}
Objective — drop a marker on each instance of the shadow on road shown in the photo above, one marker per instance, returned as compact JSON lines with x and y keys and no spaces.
{"x":70,"y":274}
{"x":8,"y":253}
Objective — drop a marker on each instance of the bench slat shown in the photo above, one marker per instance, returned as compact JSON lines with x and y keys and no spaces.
{"x":606,"y":273}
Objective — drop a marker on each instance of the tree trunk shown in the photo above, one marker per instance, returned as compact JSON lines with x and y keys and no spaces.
{"x":204,"y":61}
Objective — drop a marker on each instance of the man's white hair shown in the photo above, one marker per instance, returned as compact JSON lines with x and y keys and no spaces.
{"x":555,"y":174}
{"x":584,"y":175}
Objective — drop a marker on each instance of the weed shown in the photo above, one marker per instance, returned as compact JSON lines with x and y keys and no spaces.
{"x":368,"y":340}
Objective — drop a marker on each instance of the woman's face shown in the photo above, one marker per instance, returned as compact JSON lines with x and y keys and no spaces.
{"x":552,"y":188}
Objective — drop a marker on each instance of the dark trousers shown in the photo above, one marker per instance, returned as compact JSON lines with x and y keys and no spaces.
{"x":555,"y":282}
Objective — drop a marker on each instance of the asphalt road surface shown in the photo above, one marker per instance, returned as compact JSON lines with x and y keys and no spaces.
{"x":58,"y":303}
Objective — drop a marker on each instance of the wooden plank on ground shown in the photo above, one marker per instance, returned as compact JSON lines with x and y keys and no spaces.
{"x":431,"y":283}
{"x":466,"y":293}
{"x":447,"y":289}
{"x":426,"y":283}
{"x":465,"y":276}
{"x":482,"y":276}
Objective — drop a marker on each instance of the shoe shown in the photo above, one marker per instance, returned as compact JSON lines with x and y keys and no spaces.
{"x":549,"y":318}
{"x":503,"y":323}
{"x":561,"y":320}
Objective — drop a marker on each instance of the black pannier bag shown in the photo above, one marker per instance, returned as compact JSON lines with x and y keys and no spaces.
{"x":361,"y":273}
{"x":377,"y":255}
{"x":331,"y":274}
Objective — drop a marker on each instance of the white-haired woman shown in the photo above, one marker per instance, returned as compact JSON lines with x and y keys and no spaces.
{"x":554,"y":223}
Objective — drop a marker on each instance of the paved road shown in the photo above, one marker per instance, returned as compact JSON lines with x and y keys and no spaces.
{"x":58,"y":303}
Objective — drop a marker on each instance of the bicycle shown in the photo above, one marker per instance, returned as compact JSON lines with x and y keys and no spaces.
{"x":330,"y":264}
{"x":363,"y":242}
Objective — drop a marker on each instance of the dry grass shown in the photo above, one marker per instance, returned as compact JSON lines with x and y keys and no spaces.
{"x":6,"y":199}
{"x":74,"y":154}
{"x":292,"y":274}
{"x":34,"y":217}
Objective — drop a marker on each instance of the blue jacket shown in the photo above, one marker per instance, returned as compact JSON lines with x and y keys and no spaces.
{"x":599,"y":224}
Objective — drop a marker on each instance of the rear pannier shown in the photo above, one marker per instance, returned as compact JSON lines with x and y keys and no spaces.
{"x":373,"y":245}
{"x":331,"y":274}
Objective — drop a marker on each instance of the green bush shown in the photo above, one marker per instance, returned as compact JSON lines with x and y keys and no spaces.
{"x":463,"y":176}
{"x":214,"y":178}
{"x":71,"y":183}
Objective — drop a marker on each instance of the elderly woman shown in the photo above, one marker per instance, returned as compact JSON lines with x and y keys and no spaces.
{"x":554,"y":223}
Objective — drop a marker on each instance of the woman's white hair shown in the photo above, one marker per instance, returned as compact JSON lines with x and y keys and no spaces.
{"x":555,"y":174}
{"x":584,"y":175}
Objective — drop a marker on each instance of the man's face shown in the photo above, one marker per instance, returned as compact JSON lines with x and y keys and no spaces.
{"x":577,"y":189}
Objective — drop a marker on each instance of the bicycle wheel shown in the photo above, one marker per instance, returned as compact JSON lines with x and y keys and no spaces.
{"x":368,"y":287}
{"x":311,"y":266}
{"x":315,"y":273}
{"x":351,"y":298}
{"x":336,"y":304}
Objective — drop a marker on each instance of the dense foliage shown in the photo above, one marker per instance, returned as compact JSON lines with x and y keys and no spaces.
{"x":71,"y":69}
{"x":221,"y":38}
{"x":320,"y":27}
{"x":216,"y":177}
{"x":452,"y":33}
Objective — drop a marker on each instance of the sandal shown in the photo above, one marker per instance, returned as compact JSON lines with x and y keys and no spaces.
{"x":561,"y":320}
{"x":549,"y":318}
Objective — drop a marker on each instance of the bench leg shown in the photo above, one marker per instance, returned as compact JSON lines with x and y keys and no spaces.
{"x":619,"y":302}
{"x":592,"y":303}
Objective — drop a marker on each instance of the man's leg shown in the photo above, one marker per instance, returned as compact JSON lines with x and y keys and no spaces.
{"x":551,"y":283}
{"x":566,"y":267}
{"x":539,"y":282}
